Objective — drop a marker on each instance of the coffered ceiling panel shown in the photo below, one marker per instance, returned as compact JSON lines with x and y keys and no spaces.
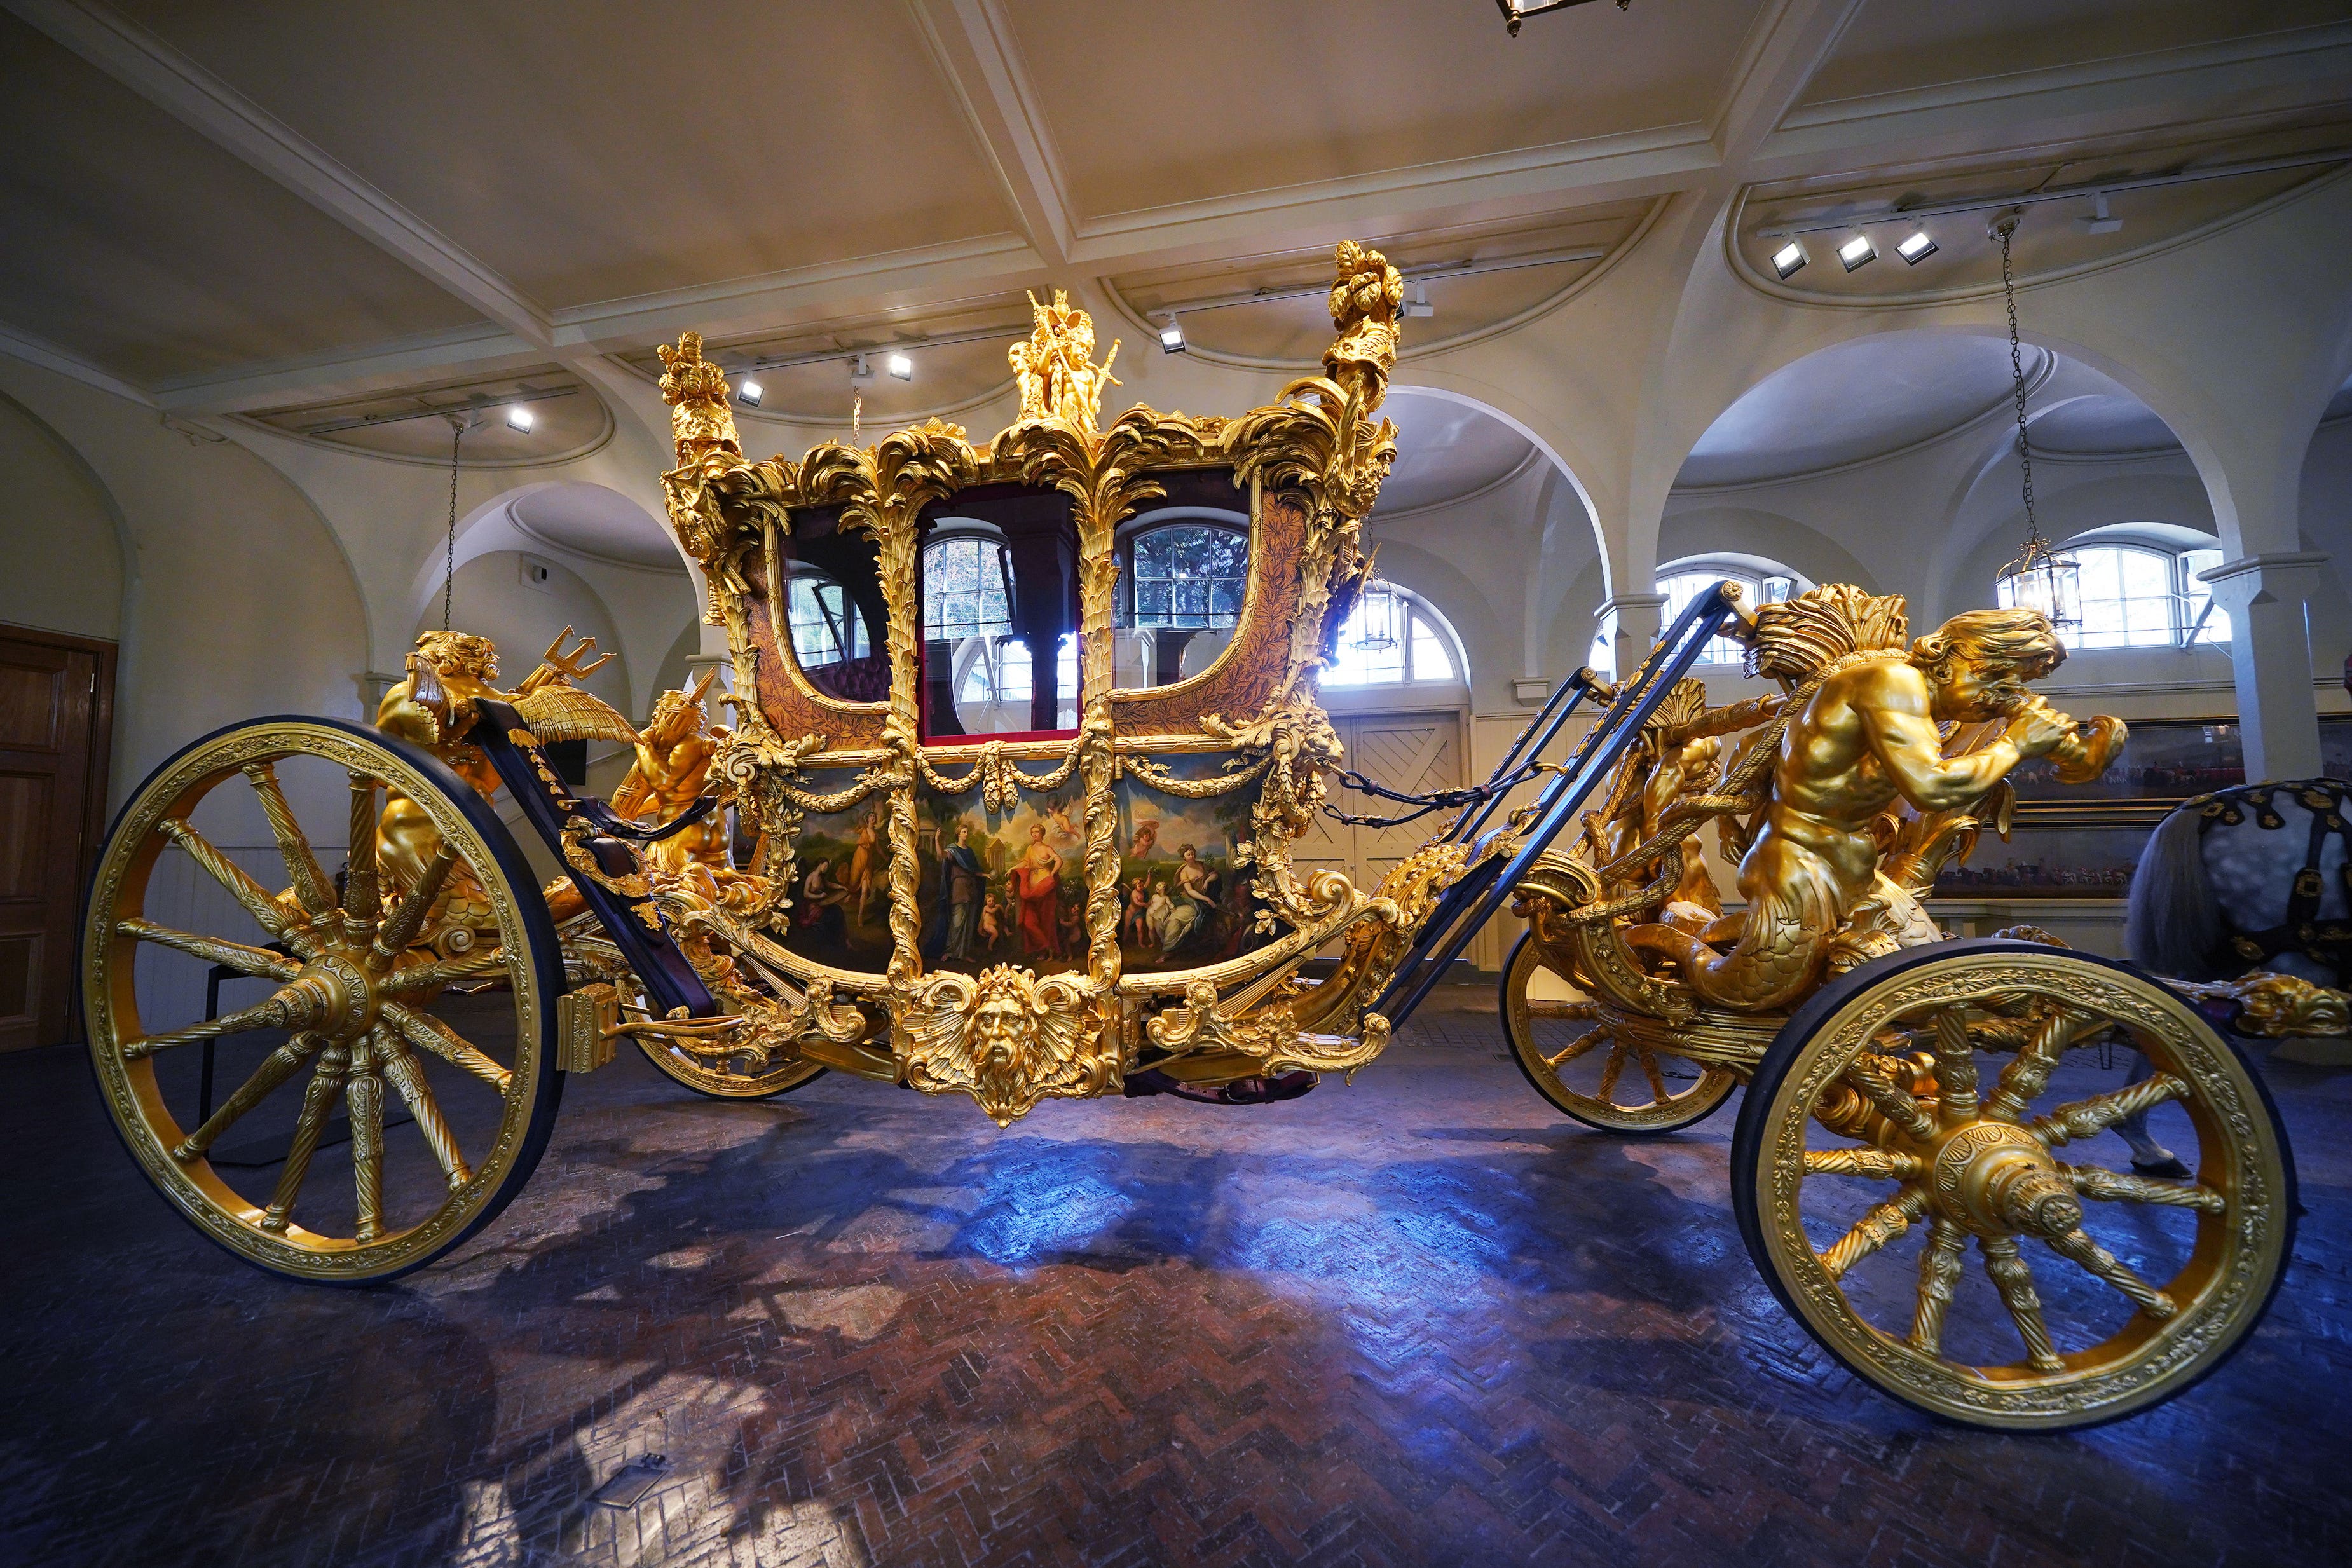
{"x":1179,"y":104}
{"x":151,"y":252}
{"x":601,"y":149}
{"x":1898,"y":43}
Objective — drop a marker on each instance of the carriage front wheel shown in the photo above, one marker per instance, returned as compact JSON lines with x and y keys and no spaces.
{"x":1924,"y":1172}
{"x":1585,"y":1071}
{"x":417,"y":986}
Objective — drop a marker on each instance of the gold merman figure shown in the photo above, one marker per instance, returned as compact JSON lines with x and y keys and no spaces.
{"x":1864,"y":735}
{"x":674,"y":753}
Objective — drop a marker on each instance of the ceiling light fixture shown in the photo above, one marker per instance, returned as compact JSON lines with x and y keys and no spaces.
{"x":1171,"y":335}
{"x":1518,"y":11}
{"x":861,"y":371}
{"x":749,"y":392}
{"x":1857,"y":252}
{"x":2040,"y":578}
{"x":1917,"y":249}
{"x":1419,"y":304}
{"x":520,"y":418}
{"x":900,"y":367}
{"x":2101,"y":221}
{"x":1789,"y":259}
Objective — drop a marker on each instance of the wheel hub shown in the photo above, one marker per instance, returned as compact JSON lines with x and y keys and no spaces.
{"x":347,"y":1003}
{"x":1997,"y":1179}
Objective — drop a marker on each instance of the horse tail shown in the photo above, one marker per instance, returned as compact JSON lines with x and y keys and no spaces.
{"x":2175,"y":923}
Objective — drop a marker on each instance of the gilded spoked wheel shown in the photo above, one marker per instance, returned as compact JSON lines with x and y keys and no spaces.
{"x":1923,"y":1171}
{"x":347,"y":1026}
{"x":1586,"y":1072}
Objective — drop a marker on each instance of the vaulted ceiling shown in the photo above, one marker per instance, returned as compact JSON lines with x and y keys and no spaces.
{"x":313,"y":215}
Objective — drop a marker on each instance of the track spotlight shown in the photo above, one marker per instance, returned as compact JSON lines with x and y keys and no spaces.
{"x":1789,"y":259}
{"x":1172,"y":336}
{"x":520,"y":418}
{"x":2101,"y":221}
{"x":861,"y":371}
{"x":749,"y":392}
{"x":1917,"y":249}
{"x":1857,"y":252}
{"x":900,"y":367}
{"x":1419,"y":304}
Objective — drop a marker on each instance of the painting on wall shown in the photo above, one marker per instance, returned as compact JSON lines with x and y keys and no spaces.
{"x":2050,"y":859}
{"x":2164,"y":762}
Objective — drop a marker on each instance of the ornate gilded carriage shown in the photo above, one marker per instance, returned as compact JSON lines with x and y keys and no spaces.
{"x":988,"y":823}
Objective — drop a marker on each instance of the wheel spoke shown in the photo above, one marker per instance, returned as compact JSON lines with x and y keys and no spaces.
{"x":2023,"y":1079}
{"x":409,"y":919}
{"x":1578,"y":1047}
{"x":363,"y":893}
{"x":1939,"y":1276}
{"x":1955,"y":1069}
{"x":274,"y":1071}
{"x":365,"y":1094}
{"x":2013,"y":1278}
{"x":1874,"y":1084}
{"x":1611,"y":1071}
{"x":317,"y":1099}
{"x":2095,"y":1181}
{"x":1569,"y":1011}
{"x":212,"y":949}
{"x":2088,"y":1118}
{"x":1658,"y":1092}
{"x":1874,"y":1230}
{"x":302,"y":868}
{"x":2076,"y":1247}
{"x":241,"y":887}
{"x":1884,"y":1165}
{"x":444,"y":972}
{"x":294,"y":1005}
{"x":402,"y":1070}
{"x":426,"y":1032}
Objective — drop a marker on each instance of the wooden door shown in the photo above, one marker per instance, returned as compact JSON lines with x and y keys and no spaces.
{"x":1413,"y":753}
{"x":57,"y":698}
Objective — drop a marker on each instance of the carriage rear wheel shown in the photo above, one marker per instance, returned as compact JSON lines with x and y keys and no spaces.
{"x":359,"y":1027}
{"x":1953,"y":1099}
{"x":1588,"y":1074}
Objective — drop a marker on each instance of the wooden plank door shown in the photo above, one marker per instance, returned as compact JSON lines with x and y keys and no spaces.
{"x":56,"y":708}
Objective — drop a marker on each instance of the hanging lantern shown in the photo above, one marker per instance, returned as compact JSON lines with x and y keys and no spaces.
{"x":1379,"y":619}
{"x":2041,"y":578}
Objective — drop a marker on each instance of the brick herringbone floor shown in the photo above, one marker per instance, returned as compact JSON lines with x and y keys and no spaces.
{"x":1420,"y":1319}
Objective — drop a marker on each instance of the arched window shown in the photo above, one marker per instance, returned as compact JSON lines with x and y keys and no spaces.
{"x":2141,"y":596}
{"x":967,"y":587}
{"x":1188,"y":574}
{"x":1763,"y":583}
{"x":1424,"y":651}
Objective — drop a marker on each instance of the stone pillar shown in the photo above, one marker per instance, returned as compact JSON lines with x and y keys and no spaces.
{"x":2270,"y":654}
{"x":1631,"y":622}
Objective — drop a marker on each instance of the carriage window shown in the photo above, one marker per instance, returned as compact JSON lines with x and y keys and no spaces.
{"x":834,"y":610}
{"x":999,"y":612}
{"x":1181,"y":584}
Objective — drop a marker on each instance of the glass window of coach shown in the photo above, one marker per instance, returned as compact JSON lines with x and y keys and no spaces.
{"x":999,"y":602}
{"x":1182,"y":585}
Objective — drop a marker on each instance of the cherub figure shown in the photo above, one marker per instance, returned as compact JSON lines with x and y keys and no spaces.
{"x":674,"y":753}
{"x":1055,"y":368}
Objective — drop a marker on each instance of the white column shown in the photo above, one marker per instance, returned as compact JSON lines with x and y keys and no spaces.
{"x":712,"y":655}
{"x":1631,"y":622}
{"x":2270,"y":654}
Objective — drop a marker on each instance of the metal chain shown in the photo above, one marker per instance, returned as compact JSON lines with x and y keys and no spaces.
{"x":449,"y":553}
{"x":2017,"y":376}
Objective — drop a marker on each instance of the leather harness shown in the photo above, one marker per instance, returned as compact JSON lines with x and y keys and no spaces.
{"x":2328,"y":942}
